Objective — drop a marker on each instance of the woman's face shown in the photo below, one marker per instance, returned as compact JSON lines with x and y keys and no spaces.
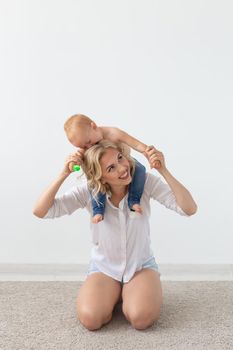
{"x":115,"y":168}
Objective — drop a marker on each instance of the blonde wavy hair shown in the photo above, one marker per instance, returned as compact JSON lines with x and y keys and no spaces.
{"x":92,"y":168}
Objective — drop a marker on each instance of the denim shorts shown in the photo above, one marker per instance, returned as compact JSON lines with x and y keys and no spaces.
{"x":149,"y":264}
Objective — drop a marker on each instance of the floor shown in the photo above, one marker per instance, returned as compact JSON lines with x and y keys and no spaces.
{"x":196,"y":315}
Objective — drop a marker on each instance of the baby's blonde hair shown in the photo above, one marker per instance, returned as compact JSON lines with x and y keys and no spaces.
{"x":92,"y":169}
{"x":76,"y":120}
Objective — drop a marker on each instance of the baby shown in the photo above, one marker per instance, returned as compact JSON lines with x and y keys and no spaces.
{"x":83,"y":133}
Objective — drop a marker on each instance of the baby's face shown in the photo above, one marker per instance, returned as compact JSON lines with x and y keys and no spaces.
{"x":85,"y":137}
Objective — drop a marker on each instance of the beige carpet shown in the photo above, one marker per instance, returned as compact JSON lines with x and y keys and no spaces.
{"x":41,"y":316}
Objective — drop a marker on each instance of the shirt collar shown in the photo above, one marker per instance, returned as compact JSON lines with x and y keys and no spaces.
{"x":121,"y":204}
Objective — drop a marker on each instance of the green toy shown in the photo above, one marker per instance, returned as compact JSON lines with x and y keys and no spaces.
{"x":76,"y":167}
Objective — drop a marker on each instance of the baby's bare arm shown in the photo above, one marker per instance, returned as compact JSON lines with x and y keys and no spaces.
{"x":118,"y":135}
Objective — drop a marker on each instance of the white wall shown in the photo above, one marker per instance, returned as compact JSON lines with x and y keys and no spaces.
{"x":161,"y":70}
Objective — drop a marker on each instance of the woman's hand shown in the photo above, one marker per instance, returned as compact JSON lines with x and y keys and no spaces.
{"x":155,"y":158}
{"x":73,"y":159}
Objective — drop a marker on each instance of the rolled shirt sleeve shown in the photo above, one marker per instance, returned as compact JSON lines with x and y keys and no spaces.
{"x":162,"y":193}
{"x":66,"y":204}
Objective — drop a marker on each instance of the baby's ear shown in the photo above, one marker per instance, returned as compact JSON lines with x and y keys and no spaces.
{"x":93,"y":125}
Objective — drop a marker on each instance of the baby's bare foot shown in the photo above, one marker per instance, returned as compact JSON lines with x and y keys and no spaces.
{"x":137,"y":208}
{"x":97,"y":218}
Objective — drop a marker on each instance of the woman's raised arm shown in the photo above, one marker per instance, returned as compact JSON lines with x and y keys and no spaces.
{"x":46,"y":199}
{"x":183,"y":197}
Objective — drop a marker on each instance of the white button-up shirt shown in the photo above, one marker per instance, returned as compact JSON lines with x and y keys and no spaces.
{"x":121,"y":242}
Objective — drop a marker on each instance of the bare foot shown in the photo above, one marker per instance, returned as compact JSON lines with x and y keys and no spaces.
{"x":97,"y":218}
{"x":137,"y":208}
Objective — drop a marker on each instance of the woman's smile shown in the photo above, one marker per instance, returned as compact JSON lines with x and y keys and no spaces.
{"x":125,"y":175}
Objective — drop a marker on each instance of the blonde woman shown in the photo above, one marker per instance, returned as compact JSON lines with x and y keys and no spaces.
{"x":122,"y":265}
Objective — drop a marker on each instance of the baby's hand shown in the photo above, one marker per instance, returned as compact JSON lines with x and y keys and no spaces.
{"x":154,"y":157}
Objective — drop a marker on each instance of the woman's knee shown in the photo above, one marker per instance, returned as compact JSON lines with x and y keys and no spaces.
{"x":141,"y":319}
{"x":92,"y":319}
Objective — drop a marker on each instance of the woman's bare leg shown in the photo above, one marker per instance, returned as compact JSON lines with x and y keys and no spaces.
{"x":142,"y":298}
{"x":96,"y":300}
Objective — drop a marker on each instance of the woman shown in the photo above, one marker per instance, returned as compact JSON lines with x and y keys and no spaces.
{"x":122,"y":264}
